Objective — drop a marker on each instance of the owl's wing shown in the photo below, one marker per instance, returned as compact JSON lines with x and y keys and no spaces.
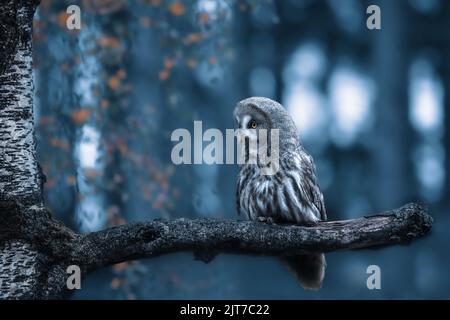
{"x":309,"y":193}
{"x":238,"y":197}
{"x":241,"y":180}
{"x":312,"y":191}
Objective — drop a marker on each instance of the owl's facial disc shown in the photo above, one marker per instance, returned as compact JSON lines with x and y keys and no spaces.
{"x":251,"y":126}
{"x":246,"y":132}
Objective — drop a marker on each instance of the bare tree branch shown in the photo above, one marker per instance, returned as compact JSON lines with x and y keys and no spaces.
{"x":208,"y":237}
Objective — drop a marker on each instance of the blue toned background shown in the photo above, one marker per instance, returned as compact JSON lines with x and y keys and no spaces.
{"x":370,"y":106}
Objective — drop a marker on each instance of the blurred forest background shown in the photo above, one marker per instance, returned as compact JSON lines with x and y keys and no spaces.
{"x":370,"y":106}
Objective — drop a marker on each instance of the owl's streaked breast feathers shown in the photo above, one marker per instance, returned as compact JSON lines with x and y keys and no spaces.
{"x":291,"y":195}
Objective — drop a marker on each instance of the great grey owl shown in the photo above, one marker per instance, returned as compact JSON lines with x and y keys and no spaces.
{"x":292,"y":194}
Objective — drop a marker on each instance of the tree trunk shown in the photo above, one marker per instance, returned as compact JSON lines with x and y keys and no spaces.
{"x":20,"y":177}
{"x":392,"y":146}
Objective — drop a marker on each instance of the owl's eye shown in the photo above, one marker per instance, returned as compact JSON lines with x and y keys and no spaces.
{"x":252,"y":124}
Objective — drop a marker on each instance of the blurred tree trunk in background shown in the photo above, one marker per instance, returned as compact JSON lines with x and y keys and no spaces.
{"x":445,"y":76}
{"x":392,"y":146}
{"x":114,"y":105}
{"x":56,"y":134}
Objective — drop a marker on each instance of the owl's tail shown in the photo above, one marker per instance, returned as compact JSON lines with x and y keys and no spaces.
{"x":308,"y":269}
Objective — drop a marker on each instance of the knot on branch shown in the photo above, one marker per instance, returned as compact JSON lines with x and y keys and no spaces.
{"x":17,"y":214}
{"x":26,"y":218}
{"x":146,"y":234}
{"x":413,"y":220}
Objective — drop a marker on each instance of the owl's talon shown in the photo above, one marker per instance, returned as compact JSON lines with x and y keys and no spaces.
{"x":268,"y":220}
{"x":311,"y":223}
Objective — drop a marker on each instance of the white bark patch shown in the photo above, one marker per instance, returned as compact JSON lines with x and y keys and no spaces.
{"x":18,"y":273}
{"x":18,"y":164}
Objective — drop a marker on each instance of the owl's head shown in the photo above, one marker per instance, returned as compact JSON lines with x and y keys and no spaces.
{"x":256,"y":113}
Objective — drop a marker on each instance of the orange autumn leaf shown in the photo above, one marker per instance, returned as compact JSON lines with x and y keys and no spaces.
{"x":62,"y":18}
{"x":113,"y":82}
{"x":112,"y":211}
{"x":80,"y":116}
{"x":104,"y":104}
{"x":212,"y":60}
{"x":102,"y":6}
{"x":203,"y":17}
{"x":121,"y":145}
{"x":71,"y":180}
{"x":38,"y":25}
{"x":92,"y":173}
{"x":193,"y":38}
{"x":46,"y":120}
{"x":121,"y":74}
{"x":39,"y":36}
{"x":176,"y":8}
{"x":159,"y":201}
{"x":169,"y":63}
{"x":164,"y":75}
{"x":115,"y":283}
{"x":137,"y":159}
{"x":116,"y":221}
{"x":145,"y":22}
{"x":108,"y":42}
{"x":164,"y":184}
{"x":191,"y":63}
{"x":64,"y":66}
{"x":119,"y":267}
{"x":50,"y":183}
{"x":45,"y":4}
{"x":147,"y":193}
{"x":58,"y":143}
